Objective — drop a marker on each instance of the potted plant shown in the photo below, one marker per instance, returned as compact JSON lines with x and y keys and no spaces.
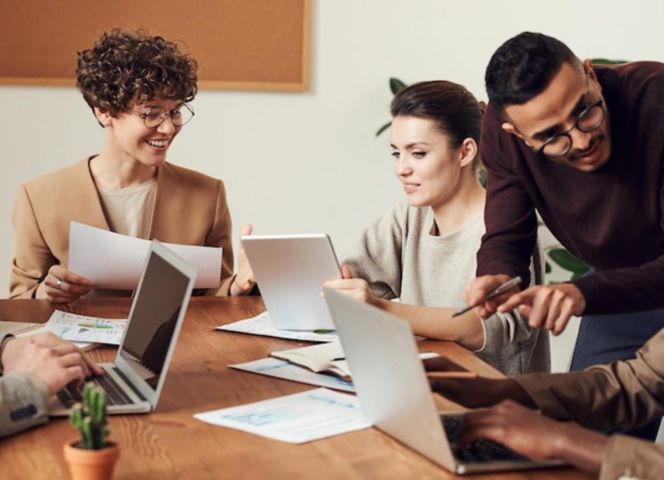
{"x":91,"y":457}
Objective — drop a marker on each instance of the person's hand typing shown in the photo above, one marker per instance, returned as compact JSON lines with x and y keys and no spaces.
{"x":47,"y":357}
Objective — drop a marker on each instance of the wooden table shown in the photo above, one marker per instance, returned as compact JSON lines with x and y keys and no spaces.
{"x":170,"y":444}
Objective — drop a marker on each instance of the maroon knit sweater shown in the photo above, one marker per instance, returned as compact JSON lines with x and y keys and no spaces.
{"x":612,"y":218}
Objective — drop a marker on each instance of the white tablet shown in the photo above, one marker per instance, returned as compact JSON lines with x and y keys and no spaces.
{"x":290,"y":271}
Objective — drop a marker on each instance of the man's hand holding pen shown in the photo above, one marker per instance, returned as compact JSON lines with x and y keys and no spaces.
{"x":546,"y":306}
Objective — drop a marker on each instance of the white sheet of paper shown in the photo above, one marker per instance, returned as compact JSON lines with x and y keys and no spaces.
{"x":262,"y":325}
{"x":274,"y":367}
{"x":83,"y":328}
{"x":297,"y":418}
{"x":114,"y":261}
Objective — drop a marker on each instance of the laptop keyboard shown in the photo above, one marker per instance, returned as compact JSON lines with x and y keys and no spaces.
{"x":480,"y":451}
{"x":71,"y":394}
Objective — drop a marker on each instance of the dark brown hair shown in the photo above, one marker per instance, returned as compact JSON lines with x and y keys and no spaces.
{"x":455,"y":110}
{"x":523,"y":66}
{"x":123,"y":67}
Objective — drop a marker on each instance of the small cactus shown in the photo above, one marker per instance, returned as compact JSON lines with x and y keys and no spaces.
{"x":89,"y":418}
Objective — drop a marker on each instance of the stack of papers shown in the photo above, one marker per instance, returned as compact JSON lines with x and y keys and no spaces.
{"x":273,"y":367}
{"x":297,"y":418}
{"x":262,"y":325}
{"x":84,"y":331}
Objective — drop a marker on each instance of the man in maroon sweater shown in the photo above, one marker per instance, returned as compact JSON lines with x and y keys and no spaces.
{"x":584,"y":146}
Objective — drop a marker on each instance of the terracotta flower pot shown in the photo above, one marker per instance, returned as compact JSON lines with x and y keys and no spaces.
{"x":91,"y":464}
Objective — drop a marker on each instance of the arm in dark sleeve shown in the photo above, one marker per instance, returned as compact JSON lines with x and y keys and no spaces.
{"x":622,"y":395}
{"x":511,"y":223}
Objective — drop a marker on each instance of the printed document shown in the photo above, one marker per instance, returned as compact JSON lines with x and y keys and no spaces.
{"x":262,"y":325}
{"x":297,"y":418}
{"x":114,"y":261}
{"x":84,"y":331}
{"x":83,"y":328}
{"x":273,"y":367}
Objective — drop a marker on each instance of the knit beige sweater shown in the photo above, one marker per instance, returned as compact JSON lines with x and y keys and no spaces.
{"x":400,"y":258}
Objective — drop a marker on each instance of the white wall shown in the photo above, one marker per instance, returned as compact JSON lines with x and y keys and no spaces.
{"x":305,"y":162}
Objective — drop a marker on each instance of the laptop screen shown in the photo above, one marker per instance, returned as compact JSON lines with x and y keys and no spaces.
{"x":154,"y":317}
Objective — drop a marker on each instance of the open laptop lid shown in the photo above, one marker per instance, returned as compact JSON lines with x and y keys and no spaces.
{"x":389,"y":376}
{"x":156,"y":315}
{"x":290,"y":271}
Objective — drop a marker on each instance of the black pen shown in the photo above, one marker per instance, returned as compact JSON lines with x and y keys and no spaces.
{"x":503,"y":287}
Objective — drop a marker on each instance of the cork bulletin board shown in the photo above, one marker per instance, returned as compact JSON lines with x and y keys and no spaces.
{"x":239,"y":44}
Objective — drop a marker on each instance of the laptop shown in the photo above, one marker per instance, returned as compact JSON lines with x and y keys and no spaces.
{"x":290,"y":271}
{"x":133,"y":383}
{"x":395,"y":395}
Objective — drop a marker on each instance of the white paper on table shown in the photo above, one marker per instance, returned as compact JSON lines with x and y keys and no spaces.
{"x":114,"y":261}
{"x":83,"y":328}
{"x":297,"y":418}
{"x":273,"y":367}
{"x":262,"y":325}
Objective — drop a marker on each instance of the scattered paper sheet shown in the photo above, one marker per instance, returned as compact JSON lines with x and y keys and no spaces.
{"x":297,"y":418}
{"x":274,"y":367}
{"x":114,"y":261}
{"x":83,"y":328}
{"x":262,"y":325}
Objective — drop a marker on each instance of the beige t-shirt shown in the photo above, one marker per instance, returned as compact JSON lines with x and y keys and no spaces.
{"x":129,"y":210}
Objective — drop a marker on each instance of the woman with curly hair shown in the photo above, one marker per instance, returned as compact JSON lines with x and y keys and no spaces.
{"x":138,"y":88}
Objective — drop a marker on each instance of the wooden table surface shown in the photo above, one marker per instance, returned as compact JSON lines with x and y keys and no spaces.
{"x":169,"y":443}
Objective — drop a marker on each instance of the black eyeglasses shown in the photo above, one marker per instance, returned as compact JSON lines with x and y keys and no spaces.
{"x":591,"y":118}
{"x":156,"y":116}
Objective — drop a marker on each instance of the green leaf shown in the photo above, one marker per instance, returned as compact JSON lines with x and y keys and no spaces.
{"x":383,"y":128}
{"x":567,"y":261}
{"x":396,"y":85}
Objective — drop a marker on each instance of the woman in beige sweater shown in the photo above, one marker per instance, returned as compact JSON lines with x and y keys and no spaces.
{"x":423,"y":252}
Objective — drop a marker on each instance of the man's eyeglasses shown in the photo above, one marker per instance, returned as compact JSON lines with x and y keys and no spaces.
{"x":591,"y":118}
{"x":156,"y":116}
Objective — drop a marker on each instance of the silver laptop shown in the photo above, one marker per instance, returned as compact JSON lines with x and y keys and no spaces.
{"x":134,"y":382}
{"x":290,"y":271}
{"x":394,"y":392}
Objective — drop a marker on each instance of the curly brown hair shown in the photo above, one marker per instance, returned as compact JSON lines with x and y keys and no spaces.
{"x":123,"y":67}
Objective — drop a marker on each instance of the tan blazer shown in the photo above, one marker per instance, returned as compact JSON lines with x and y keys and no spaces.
{"x":620,"y":395}
{"x":189,"y":208}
